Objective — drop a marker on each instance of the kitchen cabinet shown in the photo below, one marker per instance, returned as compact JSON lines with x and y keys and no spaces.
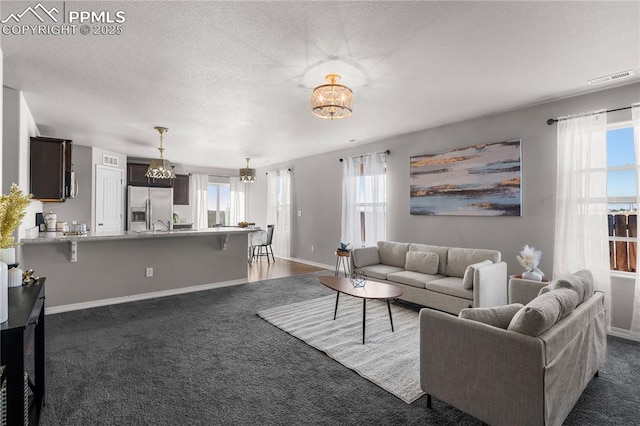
{"x":136,"y":177}
{"x":51,"y":169}
{"x":181,"y":190}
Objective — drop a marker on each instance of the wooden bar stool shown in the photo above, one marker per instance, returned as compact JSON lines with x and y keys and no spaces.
{"x":342,"y":258}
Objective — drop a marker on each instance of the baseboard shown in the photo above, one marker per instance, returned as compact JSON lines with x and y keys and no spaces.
{"x":625,"y":334}
{"x":308,"y":262}
{"x":143,"y":296}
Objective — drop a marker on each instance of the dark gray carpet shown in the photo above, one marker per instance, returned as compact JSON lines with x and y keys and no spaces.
{"x":206,"y":358}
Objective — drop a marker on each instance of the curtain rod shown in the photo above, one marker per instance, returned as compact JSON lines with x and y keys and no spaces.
{"x":360,"y":156}
{"x":276,"y":171}
{"x":555,"y":120}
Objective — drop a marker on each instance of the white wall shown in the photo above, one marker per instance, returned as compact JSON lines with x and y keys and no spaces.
{"x":317,"y":185}
{"x":18,"y":127}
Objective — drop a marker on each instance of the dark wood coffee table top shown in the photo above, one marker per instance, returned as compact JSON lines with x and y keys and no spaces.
{"x":371,"y":290}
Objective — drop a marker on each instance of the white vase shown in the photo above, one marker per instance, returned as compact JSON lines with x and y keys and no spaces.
{"x":4,"y":292}
{"x":531,"y":275}
{"x":8,"y":255}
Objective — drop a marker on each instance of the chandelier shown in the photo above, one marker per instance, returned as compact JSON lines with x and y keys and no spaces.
{"x":332,"y":100}
{"x":160,"y":168}
{"x":247,"y":175}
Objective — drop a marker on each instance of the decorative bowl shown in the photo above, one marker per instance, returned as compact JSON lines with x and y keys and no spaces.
{"x":358,"y":279}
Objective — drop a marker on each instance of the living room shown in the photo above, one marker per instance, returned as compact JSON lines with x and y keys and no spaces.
{"x":250,"y":371}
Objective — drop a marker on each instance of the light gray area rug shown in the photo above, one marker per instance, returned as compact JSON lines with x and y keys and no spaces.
{"x":391,"y":360}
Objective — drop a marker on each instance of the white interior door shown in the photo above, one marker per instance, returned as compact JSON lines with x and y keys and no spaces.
{"x":109,"y":200}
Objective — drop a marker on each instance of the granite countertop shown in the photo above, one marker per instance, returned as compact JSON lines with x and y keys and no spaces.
{"x":56,"y":237}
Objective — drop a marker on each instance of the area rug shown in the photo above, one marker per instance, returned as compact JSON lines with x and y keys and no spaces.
{"x":388,"y":359}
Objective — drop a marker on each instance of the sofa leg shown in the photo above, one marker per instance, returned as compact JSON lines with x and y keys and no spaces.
{"x":428,"y":400}
{"x":597,"y":373}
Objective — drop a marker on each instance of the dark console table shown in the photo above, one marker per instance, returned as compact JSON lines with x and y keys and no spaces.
{"x":25,"y":324}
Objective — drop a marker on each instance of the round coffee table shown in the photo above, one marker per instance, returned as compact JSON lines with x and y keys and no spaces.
{"x":372,"y":290}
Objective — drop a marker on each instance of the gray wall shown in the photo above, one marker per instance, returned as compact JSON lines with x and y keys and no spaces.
{"x":317,"y":184}
{"x":116,"y":268}
{"x":78,"y":208}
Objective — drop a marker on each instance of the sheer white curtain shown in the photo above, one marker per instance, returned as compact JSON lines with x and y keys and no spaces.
{"x":364,"y":200}
{"x":237,"y":201}
{"x":581,"y":231}
{"x":635,"y":322}
{"x":279,"y":210}
{"x":199,"y":203}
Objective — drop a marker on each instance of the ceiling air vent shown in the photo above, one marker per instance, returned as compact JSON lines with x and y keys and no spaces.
{"x":610,"y":78}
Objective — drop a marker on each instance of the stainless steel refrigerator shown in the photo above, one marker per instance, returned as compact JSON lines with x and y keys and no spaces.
{"x":148,"y":205}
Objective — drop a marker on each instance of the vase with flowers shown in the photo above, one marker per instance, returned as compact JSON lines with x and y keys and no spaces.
{"x":12,"y":210}
{"x":529,"y":258}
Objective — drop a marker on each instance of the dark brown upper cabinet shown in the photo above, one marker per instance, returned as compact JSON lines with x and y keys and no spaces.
{"x":50,"y":169}
{"x":136,"y":177}
{"x":181,"y":190}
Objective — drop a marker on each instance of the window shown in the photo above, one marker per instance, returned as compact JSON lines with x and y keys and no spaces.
{"x":219,"y":204}
{"x":622,"y":199}
{"x":364,"y":201}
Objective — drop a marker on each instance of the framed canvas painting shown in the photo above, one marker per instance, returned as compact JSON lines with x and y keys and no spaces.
{"x":480,"y":180}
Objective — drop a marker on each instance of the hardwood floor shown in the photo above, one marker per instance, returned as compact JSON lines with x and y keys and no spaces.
{"x":260,"y":269}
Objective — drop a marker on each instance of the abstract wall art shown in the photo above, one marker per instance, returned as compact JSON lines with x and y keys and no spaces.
{"x":481,"y":180}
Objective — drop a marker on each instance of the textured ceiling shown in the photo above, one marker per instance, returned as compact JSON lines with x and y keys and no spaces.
{"x":233,"y":79}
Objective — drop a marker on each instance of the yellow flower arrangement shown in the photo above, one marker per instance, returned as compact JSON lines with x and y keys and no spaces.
{"x":12,"y":210}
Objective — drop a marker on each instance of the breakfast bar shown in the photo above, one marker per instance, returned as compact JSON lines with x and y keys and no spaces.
{"x":101,"y":269}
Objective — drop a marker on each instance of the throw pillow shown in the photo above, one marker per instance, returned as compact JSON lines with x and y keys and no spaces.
{"x":422,"y":261}
{"x":365,"y":256}
{"x":498,"y":316}
{"x":467,"y":279}
{"x":544,"y":311}
{"x":581,"y":282}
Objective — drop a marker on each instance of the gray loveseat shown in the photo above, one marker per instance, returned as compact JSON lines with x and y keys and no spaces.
{"x":444,"y":278}
{"x":515,"y":364}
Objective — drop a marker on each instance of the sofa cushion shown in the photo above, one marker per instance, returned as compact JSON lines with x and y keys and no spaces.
{"x":581,"y":282}
{"x":365,"y":256}
{"x":451,"y":286}
{"x":544,"y":311}
{"x":467,"y":279}
{"x":422,"y":261}
{"x":498,"y":316}
{"x":459,"y":258}
{"x":440,"y":251}
{"x":379,"y":271}
{"x":414,"y":279}
{"x":393,"y":253}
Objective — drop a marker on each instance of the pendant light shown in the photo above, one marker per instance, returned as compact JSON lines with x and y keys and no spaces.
{"x":160,"y":168}
{"x":247,"y":175}
{"x":332,"y":101}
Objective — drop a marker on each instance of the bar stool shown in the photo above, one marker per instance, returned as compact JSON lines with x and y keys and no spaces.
{"x":342,"y":258}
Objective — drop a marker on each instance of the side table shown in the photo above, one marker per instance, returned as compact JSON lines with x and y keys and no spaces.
{"x":25,"y":323}
{"x":342,"y":258}
{"x":524,"y":291}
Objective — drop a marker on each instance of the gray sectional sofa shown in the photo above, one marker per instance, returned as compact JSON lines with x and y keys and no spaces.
{"x":444,"y":278}
{"x":515,"y":364}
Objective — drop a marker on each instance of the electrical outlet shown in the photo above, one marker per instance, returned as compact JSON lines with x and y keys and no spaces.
{"x":148,"y":272}
{"x":299,"y":213}
{"x":313,"y":249}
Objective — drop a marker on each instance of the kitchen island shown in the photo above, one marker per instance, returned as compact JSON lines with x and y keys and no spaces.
{"x":101,"y":269}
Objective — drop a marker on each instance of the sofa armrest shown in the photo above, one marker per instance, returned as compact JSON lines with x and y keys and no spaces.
{"x":493,"y":374}
{"x":490,"y":285}
{"x":524,"y":291}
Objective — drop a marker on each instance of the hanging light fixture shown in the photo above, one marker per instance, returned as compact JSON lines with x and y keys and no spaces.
{"x":160,"y":168}
{"x":332,"y":100}
{"x":247,"y":175}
